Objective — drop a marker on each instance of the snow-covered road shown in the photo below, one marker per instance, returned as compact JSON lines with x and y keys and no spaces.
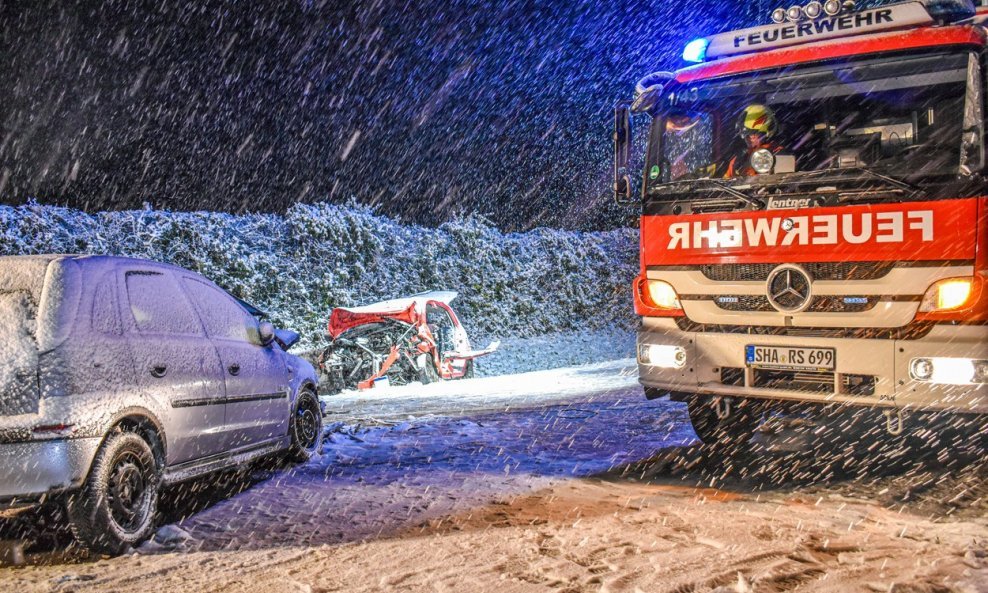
{"x":566,"y":480}
{"x":503,"y":393}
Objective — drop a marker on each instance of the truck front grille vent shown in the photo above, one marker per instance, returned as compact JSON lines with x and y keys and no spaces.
{"x":913,"y":331}
{"x":805,"y":381}
{"x":823,"y":304}
{"x":819,"y":271}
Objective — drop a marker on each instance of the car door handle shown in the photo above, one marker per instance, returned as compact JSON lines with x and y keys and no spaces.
{"x":159,"y":370}
{"x":234,"y":369}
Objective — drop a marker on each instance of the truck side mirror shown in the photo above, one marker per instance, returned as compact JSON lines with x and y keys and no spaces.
{"x":622,"y":153}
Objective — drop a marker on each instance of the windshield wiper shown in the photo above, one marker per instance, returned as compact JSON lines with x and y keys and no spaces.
{"x":898,"y":183}
{"x":694,"y":183}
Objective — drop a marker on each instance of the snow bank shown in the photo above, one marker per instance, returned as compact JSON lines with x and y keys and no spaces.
{"x":298,"y":266}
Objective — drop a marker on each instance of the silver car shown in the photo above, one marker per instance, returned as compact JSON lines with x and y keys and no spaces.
{"x":119,"y":376}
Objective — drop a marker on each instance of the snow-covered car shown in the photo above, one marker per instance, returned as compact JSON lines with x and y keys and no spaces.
{"x":119,"y":376}
{"x":418,"y":338}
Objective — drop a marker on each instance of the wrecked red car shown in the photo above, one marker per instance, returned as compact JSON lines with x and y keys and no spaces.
{"x":418,"y":338}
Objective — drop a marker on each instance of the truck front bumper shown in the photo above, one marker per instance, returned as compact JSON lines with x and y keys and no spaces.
{"x":869,"y":372}
{"x":30,"y":470}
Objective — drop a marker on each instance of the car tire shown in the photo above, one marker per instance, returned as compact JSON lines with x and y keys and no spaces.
{"x":116,"y":507}
{"x":306,"y":427}
{"x":735,"y":430}
{"x":427,"y":371}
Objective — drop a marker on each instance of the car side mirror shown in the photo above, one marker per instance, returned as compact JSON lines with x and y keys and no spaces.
{"x":622,"y":153}
{"x":286,"y":338}
{"x":266,"y":333}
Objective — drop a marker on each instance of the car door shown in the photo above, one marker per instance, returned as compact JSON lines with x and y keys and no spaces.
{"x":256,"y":376}
{"x":175,"y":361}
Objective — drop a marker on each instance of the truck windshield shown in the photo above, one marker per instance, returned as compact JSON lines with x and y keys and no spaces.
{"x":908,"y":118}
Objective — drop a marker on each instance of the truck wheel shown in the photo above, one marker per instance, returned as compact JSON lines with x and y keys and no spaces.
{"x":306,"y":427}
{"x":115,"y":509}
{"x":736,"y":429}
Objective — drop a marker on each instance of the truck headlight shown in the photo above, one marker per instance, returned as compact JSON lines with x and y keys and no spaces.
{"x":762,"y":161}
{"x":947,"y":295}
{"x":663,"y":295}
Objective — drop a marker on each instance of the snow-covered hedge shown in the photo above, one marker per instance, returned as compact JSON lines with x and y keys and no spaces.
{"x":317,"y":256}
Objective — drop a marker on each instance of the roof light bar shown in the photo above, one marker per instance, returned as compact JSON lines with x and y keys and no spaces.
{"x":696,"y":50}
{"x":817,"y":9}
{"x":950,"y":10}
{"x":818,"y":20}
{"x":833,"y":7}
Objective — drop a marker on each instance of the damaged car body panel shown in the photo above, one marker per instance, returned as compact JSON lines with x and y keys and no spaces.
{"x":403,"y":340}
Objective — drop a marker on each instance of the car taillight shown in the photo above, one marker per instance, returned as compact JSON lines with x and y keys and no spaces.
{"x":656,"y":298}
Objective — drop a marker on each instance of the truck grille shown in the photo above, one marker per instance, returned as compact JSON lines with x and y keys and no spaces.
{"x":823,"y":304}
{"x":810,"y":382}
{"x":806,"y":381}
{"x":819,"y":271}
{"x":913,"y":331}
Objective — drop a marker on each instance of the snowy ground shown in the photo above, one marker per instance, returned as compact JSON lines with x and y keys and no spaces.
{"x":563,"y":481}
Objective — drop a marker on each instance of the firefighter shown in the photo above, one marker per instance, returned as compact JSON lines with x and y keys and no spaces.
{"x":756,"y":127}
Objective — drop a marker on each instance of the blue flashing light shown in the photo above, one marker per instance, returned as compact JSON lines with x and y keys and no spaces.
{"x":950,"y":10}
{"x":696,"y":50}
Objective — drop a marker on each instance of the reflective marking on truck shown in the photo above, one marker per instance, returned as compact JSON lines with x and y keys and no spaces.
{"x":823,"y":229}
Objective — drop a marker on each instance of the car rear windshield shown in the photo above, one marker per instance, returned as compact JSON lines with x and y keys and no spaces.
{"x":24,"y":274}
{"x":21,"y":283}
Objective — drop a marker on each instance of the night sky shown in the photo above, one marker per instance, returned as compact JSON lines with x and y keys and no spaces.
{"x":425,"y":109}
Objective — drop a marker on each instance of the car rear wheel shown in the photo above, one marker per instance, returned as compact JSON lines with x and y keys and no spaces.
{"x":115,"y":509}
{"x":734,"y":430}
{"x":306,"y":427}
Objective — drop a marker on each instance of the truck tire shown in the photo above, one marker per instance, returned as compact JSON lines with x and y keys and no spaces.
{"x":306,"y":427}
{"x":736,"y":430}
{"x":115,"y":509}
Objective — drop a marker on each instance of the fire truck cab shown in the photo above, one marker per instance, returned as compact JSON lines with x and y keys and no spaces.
{"x":814,"y":217}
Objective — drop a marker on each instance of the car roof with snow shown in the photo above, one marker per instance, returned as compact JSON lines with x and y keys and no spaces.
{"x":399,"y":305}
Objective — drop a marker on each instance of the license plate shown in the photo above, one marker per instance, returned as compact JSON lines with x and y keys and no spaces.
{"x":790,"y":358}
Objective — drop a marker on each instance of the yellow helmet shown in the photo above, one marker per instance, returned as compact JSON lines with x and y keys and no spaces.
{"x":757,"y":119}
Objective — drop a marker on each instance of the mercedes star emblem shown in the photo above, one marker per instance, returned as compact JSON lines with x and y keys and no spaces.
{"x":789,"y":288}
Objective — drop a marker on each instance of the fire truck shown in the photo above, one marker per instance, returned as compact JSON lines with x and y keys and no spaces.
{"x":814,"y":218}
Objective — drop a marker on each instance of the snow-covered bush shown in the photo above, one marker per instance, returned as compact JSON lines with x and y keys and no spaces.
{"x":318,"y":256}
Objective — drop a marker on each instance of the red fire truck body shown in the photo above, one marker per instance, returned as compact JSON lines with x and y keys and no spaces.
{"x":849,"y":265}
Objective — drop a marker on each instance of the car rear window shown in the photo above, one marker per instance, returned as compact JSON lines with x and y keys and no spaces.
{"x":18,"y":349}
{"x":24,"y":274}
